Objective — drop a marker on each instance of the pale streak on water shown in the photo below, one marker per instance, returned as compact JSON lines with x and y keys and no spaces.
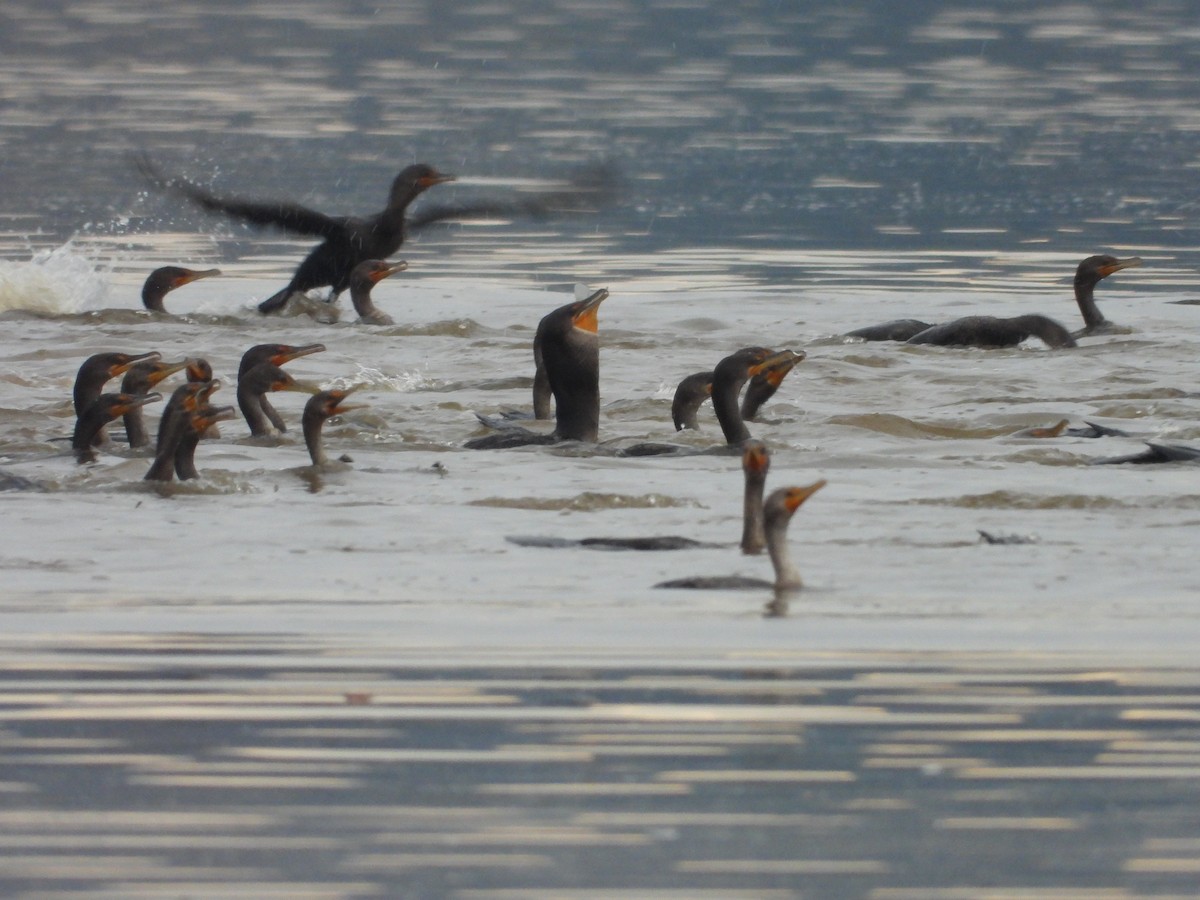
{"x":271,"y":684}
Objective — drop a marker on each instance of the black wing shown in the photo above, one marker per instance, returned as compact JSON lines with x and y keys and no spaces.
{"x":288,"y":216}
{"x":590,"y":190}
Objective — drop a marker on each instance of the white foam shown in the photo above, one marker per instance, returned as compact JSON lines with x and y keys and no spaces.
{"x":58,"y":281}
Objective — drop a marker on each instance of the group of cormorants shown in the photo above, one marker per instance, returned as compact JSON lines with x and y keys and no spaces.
{"x":189,"y":414}
{"x":353,"y":255}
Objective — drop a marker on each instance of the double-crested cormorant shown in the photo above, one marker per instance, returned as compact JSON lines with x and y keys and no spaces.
{"x":198,"y":424}
{"x":348,"y":240}
{"x":164,"y":280}
{"x":363,"y":278}
{"x":319,"y":408}
{"x":570,"y":347}
{"x":729,"y":376}
{"x":102,"y":410}
{"x":689,"y":397}
{"x":756,"y":462}
{"x":185,"y":397}
{"x":276,"y":355}
{"x":777,"y":513}
{"x":252,"y":389}
{"x":762,"y":387}
{"x":97,"y":370}
{"x":990,"y":331}
{"x":139,"y":379}
{"x":187,"y":418}
{"x":1087,"y":276}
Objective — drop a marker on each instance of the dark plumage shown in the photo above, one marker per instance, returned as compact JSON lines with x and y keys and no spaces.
{"x":756,"y":462}
{"x":97,"y":370}
{"x":102,"y":410}
{"x":163,"y":280}
{"x":140,"y":378}
{"x":570,"y":348}
{"x":729,"y":376}
{"x":319,"y":408}
{"x":762,"y":387}
{"x":362,"y":279}
{"x":689,"y":397}
{"x":252,"y":389}
{"x":347,"y":241}
{"x":990,"y":331}
{"x":276,"y":355}
{"x":1154,"y":453}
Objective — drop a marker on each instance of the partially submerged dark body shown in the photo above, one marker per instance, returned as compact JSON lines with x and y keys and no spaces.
{"x":570,"y":349}
{"x":990,"y":331}
{"x":102,"y":410}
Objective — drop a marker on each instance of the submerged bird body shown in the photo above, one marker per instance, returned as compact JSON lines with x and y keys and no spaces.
{"x":895,"y":330}
{"x":1154,"y":453}
{"x":991,"y":331}
{"x":163,"y":280}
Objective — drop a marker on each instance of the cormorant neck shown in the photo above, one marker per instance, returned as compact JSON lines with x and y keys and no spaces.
{"x":135,"y":428}
{"x":753,"y":535}
{"x":1085,"y":289}
{"x":786,"y":574}
{"x":250,"y":403}
{"x":725,"y":405}
{"x":312,"y":437}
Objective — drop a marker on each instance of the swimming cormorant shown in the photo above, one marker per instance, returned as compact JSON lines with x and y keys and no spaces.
{"x":729,"y":376}
{"x":756,"y":462}
{"x":363,"y":278}
{"x":570,"y":346}
{"x":163,"y":280}
{"x":96,"y":371}
{"x":990,"y":331}
{"x":319,"y":408}
{"x":252,"y":389}
{"x":102,"y":410}
{"x":276,"y":355}
{"x":139,"y":379}
{"x":777,"y":513}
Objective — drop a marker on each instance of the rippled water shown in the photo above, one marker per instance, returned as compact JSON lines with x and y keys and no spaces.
{"x":787,"y":172}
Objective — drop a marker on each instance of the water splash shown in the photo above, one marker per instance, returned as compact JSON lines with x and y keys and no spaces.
{"x":53,"y":282}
